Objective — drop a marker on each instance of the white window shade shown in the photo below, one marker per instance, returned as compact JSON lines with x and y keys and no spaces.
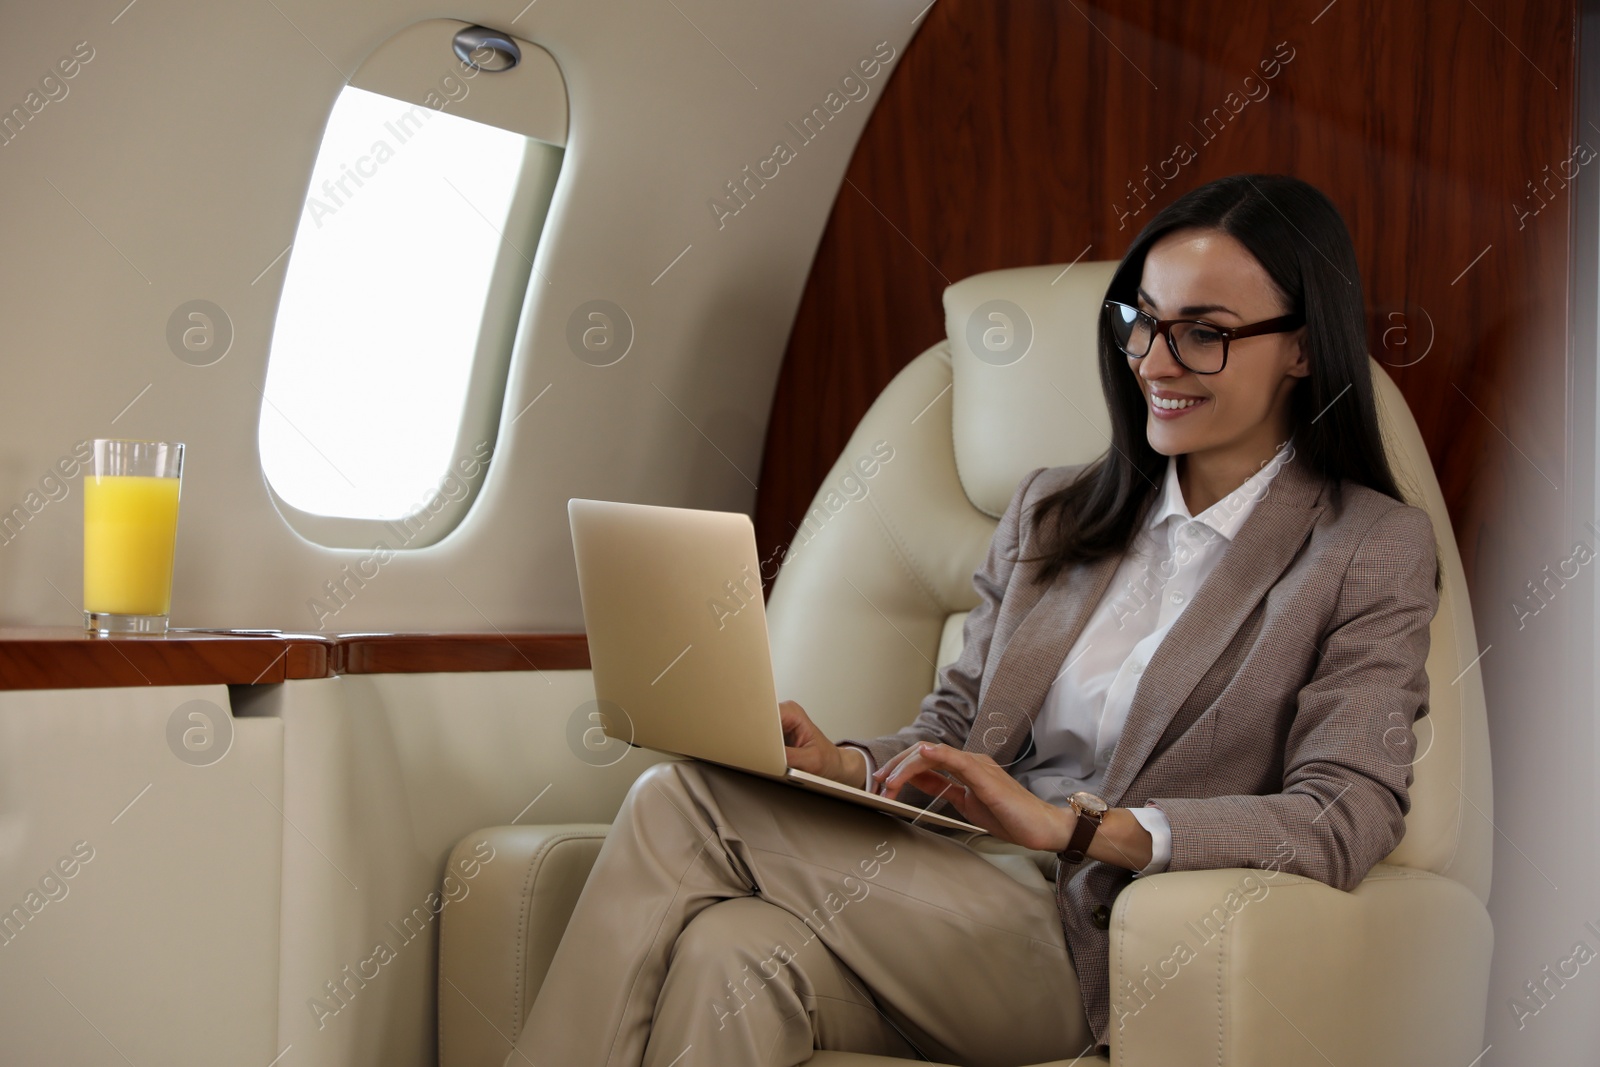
{"x":383,"y":305}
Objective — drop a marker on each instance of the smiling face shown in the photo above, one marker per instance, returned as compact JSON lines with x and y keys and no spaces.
{"x":1233,"y":420}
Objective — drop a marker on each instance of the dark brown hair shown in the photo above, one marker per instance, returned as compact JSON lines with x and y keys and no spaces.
{"x":1300,"y":240}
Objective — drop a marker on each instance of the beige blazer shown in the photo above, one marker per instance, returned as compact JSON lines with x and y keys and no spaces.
{"x":1272,"y":724}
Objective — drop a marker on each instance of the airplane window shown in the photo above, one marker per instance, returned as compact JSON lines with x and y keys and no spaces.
{"x":400,"y":302}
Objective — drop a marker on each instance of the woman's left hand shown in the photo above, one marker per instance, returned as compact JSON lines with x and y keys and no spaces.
{"x":982,"y":792}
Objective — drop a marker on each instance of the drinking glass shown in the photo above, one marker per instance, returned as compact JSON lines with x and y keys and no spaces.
{"x":130,"y":526}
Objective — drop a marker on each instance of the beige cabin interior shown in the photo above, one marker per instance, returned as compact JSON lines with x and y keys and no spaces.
{"x":390,"y":703}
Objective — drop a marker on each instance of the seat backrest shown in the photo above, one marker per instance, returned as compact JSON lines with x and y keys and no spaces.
{"x":878,"y":578}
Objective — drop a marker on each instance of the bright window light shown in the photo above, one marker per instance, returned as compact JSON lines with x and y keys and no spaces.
{"x":383,"y":304}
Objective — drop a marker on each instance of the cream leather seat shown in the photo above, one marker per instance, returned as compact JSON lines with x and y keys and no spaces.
{"x":873,"y":595}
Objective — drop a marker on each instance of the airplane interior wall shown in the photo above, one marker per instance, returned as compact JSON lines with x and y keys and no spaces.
{"x":175,"y":169}
{"x":217,"y":914}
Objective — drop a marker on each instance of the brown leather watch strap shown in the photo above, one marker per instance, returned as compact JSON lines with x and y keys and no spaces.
{"x":1082,"y":833}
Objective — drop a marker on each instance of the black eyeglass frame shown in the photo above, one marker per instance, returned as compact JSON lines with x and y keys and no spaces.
{"x":1162,"y":328}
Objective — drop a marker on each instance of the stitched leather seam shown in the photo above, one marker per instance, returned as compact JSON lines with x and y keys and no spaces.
{"x":524,"y":917}
{"x":1117,"y":959}
{"x":902,"y":553}
{"x":524,"y":920}
{"x":950,"y":363}
{"x":891,"y":534}
{"x":1222,"y":952}
{"x":1461,"y":736}
{"x":439,"y":982}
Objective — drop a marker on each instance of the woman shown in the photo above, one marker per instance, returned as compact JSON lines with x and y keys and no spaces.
{"x":730,"y":920}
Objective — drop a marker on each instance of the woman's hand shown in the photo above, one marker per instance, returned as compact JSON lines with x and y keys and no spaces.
{"x":982,"y":792}
{"x":806,"y":749}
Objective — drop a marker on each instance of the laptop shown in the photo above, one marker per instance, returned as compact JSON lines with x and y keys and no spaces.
{"x":678,"y":642}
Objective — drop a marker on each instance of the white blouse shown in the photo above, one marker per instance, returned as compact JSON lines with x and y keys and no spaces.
{"x":1084,"y":710}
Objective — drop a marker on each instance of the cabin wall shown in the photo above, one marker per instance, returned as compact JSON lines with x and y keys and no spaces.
{"x":148,"y":883}
{"x":175,"y":168}
{"x":385,"y":774}
{"x":227,"y":904}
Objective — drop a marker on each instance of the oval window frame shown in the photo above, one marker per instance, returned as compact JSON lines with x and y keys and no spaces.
{"x":418,"y":65}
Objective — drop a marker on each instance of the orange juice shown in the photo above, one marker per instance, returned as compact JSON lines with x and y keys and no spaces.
{"x":130,"y":524}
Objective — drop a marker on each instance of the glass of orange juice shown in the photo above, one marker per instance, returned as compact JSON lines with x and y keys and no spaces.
{"x":130,"y":526}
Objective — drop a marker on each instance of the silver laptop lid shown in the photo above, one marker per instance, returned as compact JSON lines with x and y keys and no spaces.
{"x":678,"y":631}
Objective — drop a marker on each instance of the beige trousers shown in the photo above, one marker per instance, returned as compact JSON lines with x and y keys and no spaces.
{"x":732,"y":921}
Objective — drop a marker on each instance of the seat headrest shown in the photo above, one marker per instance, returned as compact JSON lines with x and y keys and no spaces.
{"x":1025,"y":374}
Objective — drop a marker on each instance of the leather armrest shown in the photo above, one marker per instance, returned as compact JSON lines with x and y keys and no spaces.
{"x":496,"y":942}
{"x":1256,"y":967}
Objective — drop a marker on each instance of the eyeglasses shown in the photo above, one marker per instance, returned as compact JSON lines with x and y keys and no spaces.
{"x":1200,"y":346}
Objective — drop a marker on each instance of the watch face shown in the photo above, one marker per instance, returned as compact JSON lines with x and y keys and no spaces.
{"x":1090,"y":803}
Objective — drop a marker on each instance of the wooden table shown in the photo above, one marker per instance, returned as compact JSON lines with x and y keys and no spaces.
{"x":68,"y":658}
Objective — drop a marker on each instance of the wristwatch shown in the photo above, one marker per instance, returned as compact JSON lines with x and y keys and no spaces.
{"x":1090,"y":809}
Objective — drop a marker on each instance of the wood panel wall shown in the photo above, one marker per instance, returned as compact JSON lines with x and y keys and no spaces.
{"x":1021,"y":132}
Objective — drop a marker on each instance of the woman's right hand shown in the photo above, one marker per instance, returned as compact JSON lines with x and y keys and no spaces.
{"x":807,"y":749}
